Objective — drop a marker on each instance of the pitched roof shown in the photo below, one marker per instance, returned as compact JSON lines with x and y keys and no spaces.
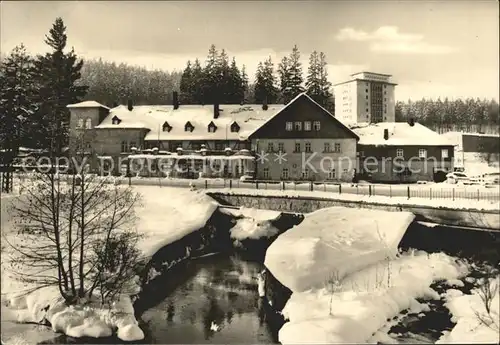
{"x":247,"y":116}
{"x":87,"y":104}
{"x":400,"y":134}
{"x":300,"y":95}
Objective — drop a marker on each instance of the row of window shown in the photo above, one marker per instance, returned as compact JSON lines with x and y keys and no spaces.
{"x":285,"y":173}
{"x":307,"y":147}
{"x":422,"y":153}
{"x":306,"y":125}
{"x":87,"y":123}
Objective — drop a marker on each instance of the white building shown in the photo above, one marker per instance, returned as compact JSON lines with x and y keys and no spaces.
{"x":366,"y":97}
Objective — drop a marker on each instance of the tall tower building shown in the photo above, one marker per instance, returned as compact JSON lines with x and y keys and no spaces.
{"x":366,"y":97}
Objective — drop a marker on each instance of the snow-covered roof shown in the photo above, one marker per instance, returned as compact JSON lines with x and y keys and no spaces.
{"x":248,"y":117}
{"x":400,"y":134}
{"x":87,"y":104}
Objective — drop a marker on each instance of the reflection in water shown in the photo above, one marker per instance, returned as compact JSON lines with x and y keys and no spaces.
{"x":218,"y":304}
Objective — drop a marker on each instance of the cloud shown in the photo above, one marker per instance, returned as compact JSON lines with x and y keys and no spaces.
{"x":388,"y":39}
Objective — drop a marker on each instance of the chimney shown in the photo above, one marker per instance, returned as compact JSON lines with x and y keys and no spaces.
{"x":264,"y":104}
{"x":386,"y":133}
{"x":130,"y":105}
{"x":175,"y":100}
{"x":411,"y":121}
{"x":115,"y":104}
{"x":216,"y":110}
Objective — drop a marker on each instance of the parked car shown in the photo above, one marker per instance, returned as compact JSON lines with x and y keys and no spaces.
{"x":490,"y":179}
{"x":457,"y":177}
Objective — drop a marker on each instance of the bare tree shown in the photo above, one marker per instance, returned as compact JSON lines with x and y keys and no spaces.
{"x":333,"y":284}
{"x":76,"y":233}
{"x":487,"y":291}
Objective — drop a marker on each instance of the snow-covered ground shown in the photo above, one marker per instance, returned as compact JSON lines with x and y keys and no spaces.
{"x":165,"y":215}
{"x":356,"y":308}
{"x":252,"y":223}
{"x":348,"y":282}
{"x":334,"y":241}
{"x":462,"y":204}
{"x":473,"y":323}
{"x":168,"y":214}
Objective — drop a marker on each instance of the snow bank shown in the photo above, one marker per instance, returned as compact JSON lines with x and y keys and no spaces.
{"x":252,"y":223}
{"x":362,"y":303}
{"x":468,"y":311}
{"x":168,"y":214}
{"x":335,"y":240}
{"x":89,"y":320}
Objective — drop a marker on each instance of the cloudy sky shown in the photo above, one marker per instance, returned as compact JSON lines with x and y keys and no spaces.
{"x":433,"y":49}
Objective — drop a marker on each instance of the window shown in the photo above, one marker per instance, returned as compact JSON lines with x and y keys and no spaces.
{"x":166,"y":127}
{"x":266,"y":173}
{"x":124,"y":146}
{"x":367,"y":110}
{"x":366,"y":96}
{"x":188,"y":127}
{"x":366,"y":90}
{"x":385,"y":86}
{"x":284,"y":173}
{"x":88,"y":123}
{"x":316,"y":125}
{"x":297,"y":147}
{"x":332,"y":175}
{"x":444,"y":153}
{"x":298,"y":126}
{"x":305,"y":173}
{"x":327,"y":147}
{"x":212,"y":127}
{"x":345,"y":171}
{"x":399,"y":153}
{"x":307,"y":125}
{"x":80,"y":123}
{"x":270,"y":147}
{"x":235,"y":127}
{"x":281,"y":147}
{"x":422,"y":153}
{"x":219,"y":146}
{"x":132,"y":144}
{"x":289,"y":126}
{"x":115,"y":120}
{"x":308,"y":147}
{"x":337,"y":147}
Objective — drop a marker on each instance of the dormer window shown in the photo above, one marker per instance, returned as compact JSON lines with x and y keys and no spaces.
{"x":235,"y":127}
{"x":166,"y":127}
{"x":188,"y":127}
{"x":115,"y":120}
{"x":212,"y":127}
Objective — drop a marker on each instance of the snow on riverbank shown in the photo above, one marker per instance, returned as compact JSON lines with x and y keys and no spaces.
{"x":468,"y":311}
{"x":354,"y":309}
{"x":463,"y":204}
{"x":252,"y":223}
{"x":334,"y":241}
{"x":168,"y":214}
{"x":164,"y":216}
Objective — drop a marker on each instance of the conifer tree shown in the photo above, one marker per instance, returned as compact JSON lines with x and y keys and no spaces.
{"x":235,"y":86}
{"x":17,"y":104}
{"x":285,"y":82}
{"x":296,"y":77}
{"x":186,"y":84}
{"x":57,"y":73}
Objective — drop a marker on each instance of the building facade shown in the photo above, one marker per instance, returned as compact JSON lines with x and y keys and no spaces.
{"x":403,"y":152}
{"x":303,"y":141}
{"x":366,"y":98}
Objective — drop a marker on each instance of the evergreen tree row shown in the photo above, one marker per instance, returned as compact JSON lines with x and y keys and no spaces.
{"x":35,"y":91}
{"x":471,"y":115}
{"x":110,"y":83}
{"x":218,"y":81}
